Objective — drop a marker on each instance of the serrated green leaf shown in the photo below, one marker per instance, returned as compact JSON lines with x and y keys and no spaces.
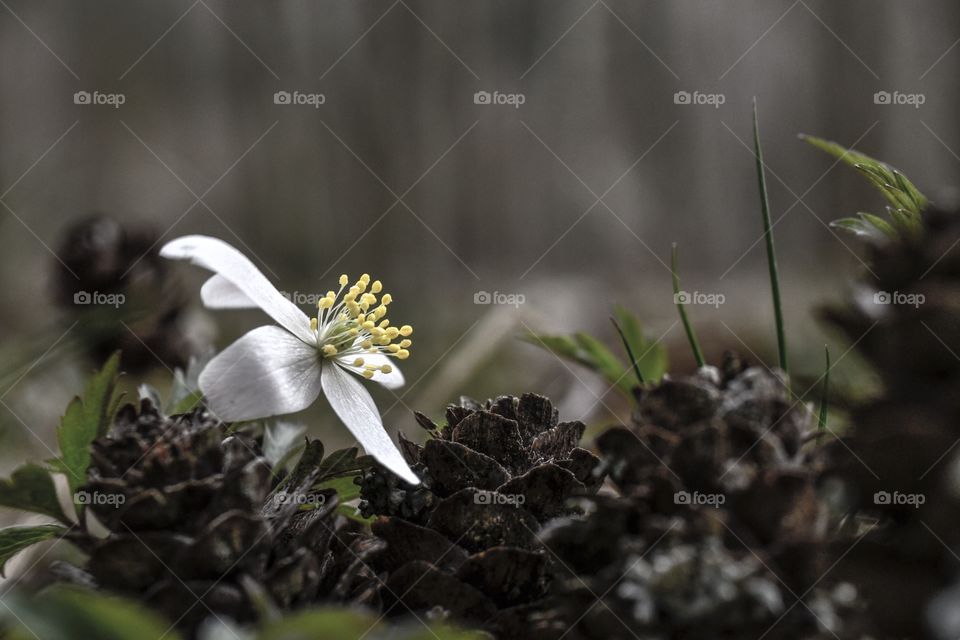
{"x":858,"y":227}
{"x":905,"y":200}
{"x":68,"y":613}
{"x":31,"y":488}
{"x":651,"y":356}
{"x":15,"y":539}
{"x":882,"y":225}
{"x":87,"y":417}
{"x":343,"y":462}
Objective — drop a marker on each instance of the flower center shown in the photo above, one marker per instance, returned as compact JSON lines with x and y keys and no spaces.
{"x":350,"y":326}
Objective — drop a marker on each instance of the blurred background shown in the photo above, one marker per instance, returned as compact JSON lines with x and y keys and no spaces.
{"x":502,"y":166}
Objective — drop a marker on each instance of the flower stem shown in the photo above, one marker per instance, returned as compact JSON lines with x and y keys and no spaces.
{"x":824,"y":397}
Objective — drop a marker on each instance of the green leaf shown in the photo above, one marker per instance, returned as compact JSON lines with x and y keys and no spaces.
{"x":343,"y":462}
{"x":348,"y":624}
{"x":651,"y":356}
{"x":31,"y":488}
{"x":345,"y":487}
{"x":906,"y":202}
{"x":771,"y":249}
{"x":87,"y":417}
{"x":15,"y":539}
{"x":604,"y":362}
{"x":68,"y":613}
{"x":187,"y":403}
{"x":857,"y":226}
{"x":884,"y":227}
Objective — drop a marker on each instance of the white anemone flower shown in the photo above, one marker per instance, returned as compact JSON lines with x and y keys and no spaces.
{"x":276,"y":370}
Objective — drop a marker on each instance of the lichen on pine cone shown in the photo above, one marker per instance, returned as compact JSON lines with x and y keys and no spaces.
{"x":718,"y":533}
{"x":899,"y":463}
{"x":199,"y":524}
{"x":465,"y":542}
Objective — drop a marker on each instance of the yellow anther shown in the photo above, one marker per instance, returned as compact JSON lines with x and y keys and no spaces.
{"x":403,"y":354}
{"x":392,"y":332}
{"x":386,"y":299}
{"x":386,"y":368}
{"x":365,"y":278}
{"x":376,"y":287}
{"x":344,"y":280}
{"x":385,"y":323}
{"x":353,"y":291}
{"x":368,"y":374}
{"x":361,"y":285}
{"x":354,"y":331}
{"x":405,"y":344}
{"x":368,"y":325}
{"x":393,"y":348}
{"x":329,"y":350}
{"x":313,"y":324}
{"x":406,"y":330}
{"x":366,"y":344}
{"x":384,"y":341}
{"x":358,"y":362}
{"x":380,"y":311}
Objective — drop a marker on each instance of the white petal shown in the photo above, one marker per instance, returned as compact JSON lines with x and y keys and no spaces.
{"x":220,"y":293}
{"x":267,"y":372}
{"x":392,"y":380}
{"x":221,"y":258}
{"x":356,"y":409}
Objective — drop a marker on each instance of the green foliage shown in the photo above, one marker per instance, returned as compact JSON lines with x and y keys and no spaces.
{"x":768,"y":236}
{"x":15,"y":539}
{"x":31,"y":488}
{"x":682,"y":309}
{"x":71,"y":613}
{"x":339,"y":624}
{"x":905,"y":202}
{"x":87,"y":417}
{"x":649,"y":363}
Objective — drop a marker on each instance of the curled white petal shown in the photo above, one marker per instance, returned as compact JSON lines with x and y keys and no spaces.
{"x":223,"y":259}
{"x":220,"y":293}
{"x":356,"y":409}
{"x":392,"y":380}
{"x":267,"y":372}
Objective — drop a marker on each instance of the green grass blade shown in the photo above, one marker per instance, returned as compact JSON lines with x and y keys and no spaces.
{"x":768,"y":234}
{"x":687,"y":327}
{"x":825,"y":397}
{"x":626,"y":345}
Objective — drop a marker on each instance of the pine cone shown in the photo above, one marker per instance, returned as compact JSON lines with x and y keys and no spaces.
{"x":719,"y":530}
{"x":199,"y":524}
{"x":465,"y":542}
{"x":900,"y":464}
{"x":100,"y":257}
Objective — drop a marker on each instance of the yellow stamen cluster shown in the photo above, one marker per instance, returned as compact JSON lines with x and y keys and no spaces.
{"x":355,"y":323}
